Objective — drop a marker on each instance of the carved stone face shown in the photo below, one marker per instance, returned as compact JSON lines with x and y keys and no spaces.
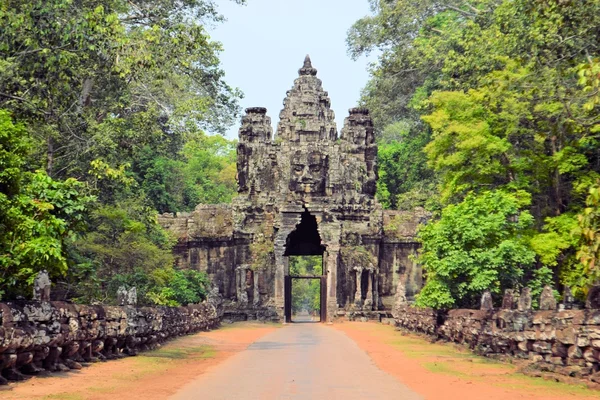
{"x":309,"y":172}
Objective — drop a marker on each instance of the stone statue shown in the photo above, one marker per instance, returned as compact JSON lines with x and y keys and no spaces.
{"x":122,"y":296}
{"x":547,"y":299}
{"x":399,"y":299}
{"x":525,"y":300}
{"x":593,"y":298}
{"x":127,"y":297}
{"x":132,"y":297}
{"x":41,"y":286}
{"x":568,"y":298}
{"x":508,"y":300}
{"x":487,"y":302}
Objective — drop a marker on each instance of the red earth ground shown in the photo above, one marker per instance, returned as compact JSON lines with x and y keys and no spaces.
{"x":443,"y":371}
{"x":434,"y":371}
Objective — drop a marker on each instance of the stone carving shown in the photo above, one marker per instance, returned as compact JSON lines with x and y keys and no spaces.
{"x":568,"y":298}
{"x":127,"y":297}
{"x":547,"y":299}
{"x":525,"y":299}
{"x":35,"y":336}
{"x":305,"y":191}
{"x":487,"y":303}
{"x":400,"y":299}
{"x":309,"y":172}
{"x":41,"y":286}
{"x":560,"y":342}
{"x":593,"y":298}
{"x":508,"y":300}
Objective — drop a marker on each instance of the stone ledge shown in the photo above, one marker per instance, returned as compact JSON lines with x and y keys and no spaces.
{"x":58,"y":336}
{"x":564,"y":342}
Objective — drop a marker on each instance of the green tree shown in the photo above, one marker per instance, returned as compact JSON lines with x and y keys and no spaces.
{"x":39,"y":216}
{"x":405,"y":181}
{"x":512,"y":105}
{"x":479,"y":244}
{"x":124,"y":245}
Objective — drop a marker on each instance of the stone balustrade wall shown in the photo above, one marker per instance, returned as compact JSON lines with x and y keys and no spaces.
{"x":54,"y":336}
{"x":565,"y":342}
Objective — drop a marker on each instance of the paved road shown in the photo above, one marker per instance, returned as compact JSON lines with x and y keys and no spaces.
{"x":298,"y":361}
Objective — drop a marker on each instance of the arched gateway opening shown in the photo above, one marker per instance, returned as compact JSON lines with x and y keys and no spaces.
{"x":305,"y":280}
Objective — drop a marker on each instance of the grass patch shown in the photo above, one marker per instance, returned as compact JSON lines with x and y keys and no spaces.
{"x":440,"y":367}
{"x":181,"y":353}
{"x":64,"y":396}
{"x":250,"y":325}
{"x":448,"y":359}
{"x":519,"y":381}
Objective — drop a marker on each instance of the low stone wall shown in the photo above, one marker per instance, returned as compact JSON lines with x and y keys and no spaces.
{"x":565,"y":342}
{"x":54,"y":336}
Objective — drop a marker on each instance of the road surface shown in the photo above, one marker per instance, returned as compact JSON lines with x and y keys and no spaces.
{"x":298,"y":361}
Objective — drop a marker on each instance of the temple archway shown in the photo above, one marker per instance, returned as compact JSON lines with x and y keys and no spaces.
{"x":304,"y":241}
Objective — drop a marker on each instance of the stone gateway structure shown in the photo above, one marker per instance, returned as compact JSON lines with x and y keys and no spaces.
{"x":304,"y":191}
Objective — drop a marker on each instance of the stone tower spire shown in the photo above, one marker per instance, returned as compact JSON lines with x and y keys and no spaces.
{"x":307,"y":68}
{"x":307,"y":114}
{"x":252,"y":151}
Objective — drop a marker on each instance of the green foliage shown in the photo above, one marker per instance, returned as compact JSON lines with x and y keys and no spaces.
{"x":178,"y":287}
{"x":589,"y":223}
{"x":38,"y":215}
{"x":262,"y":251}
{"x":509,"y":89}
{"x":404,"y":179}
{"x":476,"y":245}
{"x":356,"y":256}
{"x":306,"y":293}
{"x":124,"y":240}
{"x":306,"y":265}
{"x":112,"y":98}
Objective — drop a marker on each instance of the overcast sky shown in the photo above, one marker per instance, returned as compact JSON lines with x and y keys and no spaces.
{"x":266,"y":41}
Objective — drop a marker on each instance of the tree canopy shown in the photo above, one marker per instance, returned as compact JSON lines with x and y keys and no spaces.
{"x":105,"y":107}
{"x":497,"y":100}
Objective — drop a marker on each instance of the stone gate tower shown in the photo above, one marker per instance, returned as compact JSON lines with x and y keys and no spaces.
{"x":307,"y":190}
{"x":307,"y":173}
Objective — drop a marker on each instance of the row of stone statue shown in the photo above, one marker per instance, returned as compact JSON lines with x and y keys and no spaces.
{"x":522,"y":301}
{"x":42,"y":284}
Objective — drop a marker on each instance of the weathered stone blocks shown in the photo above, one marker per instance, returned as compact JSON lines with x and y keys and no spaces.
{"x":552,"y":338}
{"x":58,"y":336}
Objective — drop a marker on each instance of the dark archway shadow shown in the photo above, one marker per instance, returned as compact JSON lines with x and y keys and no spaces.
{"x":305,"y":240}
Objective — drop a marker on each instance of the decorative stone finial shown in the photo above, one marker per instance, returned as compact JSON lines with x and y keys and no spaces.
{"x":41,"y":286}
{"x":593,"y":298}
{"x":525,"y":300}
{"x":127,"y":297}
{"x":508,"y":300}
{"x":547,"y":299}
{"x":487,"y":302}
{"x":307,"y":68}
{"x":358,"y":110}
{"x":256,"y":110}
{"x":568,"y":298}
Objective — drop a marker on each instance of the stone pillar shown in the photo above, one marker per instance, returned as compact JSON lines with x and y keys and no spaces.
{"x":376,"y":291}
{"x":568,"y":298}
{"x":369,"y":297}
{"x":358,"y":292}
{"x":256,"y":294}
{"x":331,"y":257}
{"x":281,"y":263}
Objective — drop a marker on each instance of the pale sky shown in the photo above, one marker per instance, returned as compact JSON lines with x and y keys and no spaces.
{"x":266,"y":41}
